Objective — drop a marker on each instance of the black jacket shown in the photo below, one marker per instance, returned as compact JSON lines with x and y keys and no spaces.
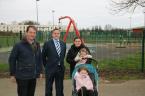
{"x":25,"y":61}
{"x":72,"y":52}
{"x":51,"y":59}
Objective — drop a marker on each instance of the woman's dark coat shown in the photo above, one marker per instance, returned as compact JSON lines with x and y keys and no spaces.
{"x":72,"y":52}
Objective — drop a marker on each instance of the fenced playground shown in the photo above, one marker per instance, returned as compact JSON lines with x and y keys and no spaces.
{"x":113,"y":50}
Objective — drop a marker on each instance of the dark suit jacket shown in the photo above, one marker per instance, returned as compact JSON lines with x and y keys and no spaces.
{"x":51,"y":58}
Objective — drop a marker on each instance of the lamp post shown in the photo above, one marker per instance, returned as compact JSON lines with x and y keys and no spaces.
{"x":53,"y":17}
{"x":143,"y":46}
{"x":37,"y":11}
{"x":129,"y":31}
{"x":143,"y":41}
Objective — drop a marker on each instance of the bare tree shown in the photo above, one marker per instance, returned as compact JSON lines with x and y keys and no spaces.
{"x":128,"y":5}
{"x":28,"y":22}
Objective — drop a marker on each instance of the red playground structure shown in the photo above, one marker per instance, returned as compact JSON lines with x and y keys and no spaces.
{"x":68,"y":27}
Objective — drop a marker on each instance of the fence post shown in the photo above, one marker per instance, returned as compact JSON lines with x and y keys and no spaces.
{"x":143,"y":38}
{"x":20,"y":35}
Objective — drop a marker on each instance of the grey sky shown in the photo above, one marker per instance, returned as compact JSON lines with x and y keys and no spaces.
{"x":86,"y":13}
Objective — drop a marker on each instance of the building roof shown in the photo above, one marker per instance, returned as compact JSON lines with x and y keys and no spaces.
{"x":138,"y":29}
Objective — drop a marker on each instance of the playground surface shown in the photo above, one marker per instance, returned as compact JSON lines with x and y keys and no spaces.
{"x":97,"y":50}
{"x":126,"y":88}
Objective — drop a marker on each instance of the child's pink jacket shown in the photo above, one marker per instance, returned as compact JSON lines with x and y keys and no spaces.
{"x":83,"y":80}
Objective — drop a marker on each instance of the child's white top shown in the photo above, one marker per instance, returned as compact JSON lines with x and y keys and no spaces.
{"x":80,"y":60}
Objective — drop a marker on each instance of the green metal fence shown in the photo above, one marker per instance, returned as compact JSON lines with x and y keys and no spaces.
{"x":6,"y":41}
{"x":121,"y":38}
{"x":110,"y":49}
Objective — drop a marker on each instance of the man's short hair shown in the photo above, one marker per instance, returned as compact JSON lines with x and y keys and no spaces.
{"x":31,"y":26}
{"x":55,"y":30}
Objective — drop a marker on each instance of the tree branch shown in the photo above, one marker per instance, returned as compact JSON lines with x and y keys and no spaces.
{"x":121,"y":5}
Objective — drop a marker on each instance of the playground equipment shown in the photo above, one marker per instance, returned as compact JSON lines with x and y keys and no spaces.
{"x":68,"y":27}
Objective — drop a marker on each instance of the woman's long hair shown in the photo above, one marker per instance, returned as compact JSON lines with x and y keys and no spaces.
{"x":82,"y":41}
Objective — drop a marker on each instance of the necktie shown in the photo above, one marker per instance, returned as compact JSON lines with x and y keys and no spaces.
{"x":58,"y":47}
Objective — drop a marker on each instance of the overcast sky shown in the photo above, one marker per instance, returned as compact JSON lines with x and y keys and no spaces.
{"x":86,"y":13}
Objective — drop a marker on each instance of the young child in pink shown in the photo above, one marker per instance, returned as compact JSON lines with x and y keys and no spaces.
{"x":83,"y":80}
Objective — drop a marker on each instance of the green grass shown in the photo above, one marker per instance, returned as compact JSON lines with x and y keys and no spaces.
{"x":6,"y":41}
{"x":4,"y":67}
{"x":126,"y":68}
{"x":131,"y":62}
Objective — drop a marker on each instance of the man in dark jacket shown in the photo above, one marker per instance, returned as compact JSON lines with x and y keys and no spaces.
{"x":53,"y":54}
{"x":26,"y":63}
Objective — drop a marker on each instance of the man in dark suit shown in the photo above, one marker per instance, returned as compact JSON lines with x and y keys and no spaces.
{"x":53,"y":54}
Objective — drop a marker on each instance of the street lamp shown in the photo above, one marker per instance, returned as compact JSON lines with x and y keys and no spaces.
{"x":53,"y":17}
{"x":144,"y":16}
{"x":143,"y":41}
{"x":52,"y":11}
{"x":129,"y":31}
{"x":130,"y":22}
{"x":37,"y":11}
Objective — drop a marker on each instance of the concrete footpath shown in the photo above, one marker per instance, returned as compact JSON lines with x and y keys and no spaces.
{"x":127,"y":88}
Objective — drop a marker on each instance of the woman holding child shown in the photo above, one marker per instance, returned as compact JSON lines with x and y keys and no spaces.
{"x":73,"y":55}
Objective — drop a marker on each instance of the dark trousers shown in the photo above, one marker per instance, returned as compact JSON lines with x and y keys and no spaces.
{"x":58,"y":77}
{"x":72,"y":67}
{"x":26,"y":87}
{"x":84,"y":92}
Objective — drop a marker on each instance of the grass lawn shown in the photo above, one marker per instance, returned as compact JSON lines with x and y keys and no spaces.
{"x":6,"y":41}
{"x":125,"y":68}
{"x":131,"y":62}
{"x":4,"y":67}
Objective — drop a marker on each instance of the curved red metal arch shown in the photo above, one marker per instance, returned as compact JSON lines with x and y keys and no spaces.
{"x":68,"y":27}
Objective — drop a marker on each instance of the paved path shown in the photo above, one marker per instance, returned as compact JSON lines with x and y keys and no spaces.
{"x":128,"y":88}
